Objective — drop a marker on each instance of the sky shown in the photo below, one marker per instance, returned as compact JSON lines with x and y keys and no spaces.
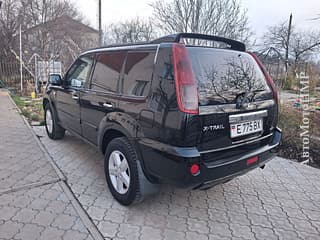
{"x":261,"y":13}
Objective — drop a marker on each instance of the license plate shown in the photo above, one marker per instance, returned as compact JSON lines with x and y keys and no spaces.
{"x":245,"y":128}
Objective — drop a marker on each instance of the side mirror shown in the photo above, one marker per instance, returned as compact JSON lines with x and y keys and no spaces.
{"x":55,"y":80}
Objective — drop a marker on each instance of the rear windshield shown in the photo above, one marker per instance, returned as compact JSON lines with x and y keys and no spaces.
{"x":225,"y":75}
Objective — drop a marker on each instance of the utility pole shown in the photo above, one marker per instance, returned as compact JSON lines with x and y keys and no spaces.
{"x":100,"y":28}
{"x":288,"y":43}
{"x":287,"y":48}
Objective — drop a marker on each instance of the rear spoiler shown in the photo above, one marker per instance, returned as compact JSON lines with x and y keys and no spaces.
{"x":175,"y":38}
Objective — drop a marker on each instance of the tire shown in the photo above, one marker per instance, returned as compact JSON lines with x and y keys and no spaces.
{"x":54,"y":130}
{"x":124,"y":175}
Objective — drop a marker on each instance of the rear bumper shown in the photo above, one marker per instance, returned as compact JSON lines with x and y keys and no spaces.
{"x":171,"y":165}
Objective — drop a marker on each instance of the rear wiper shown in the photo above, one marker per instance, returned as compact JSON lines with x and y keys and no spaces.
{"x":248,"y":93}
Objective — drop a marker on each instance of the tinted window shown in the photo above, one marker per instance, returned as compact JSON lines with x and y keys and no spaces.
{"x":107,"y":70}
{"x":225,"y":75}
{"x":138,"y":73}
{"x":79,"y":72}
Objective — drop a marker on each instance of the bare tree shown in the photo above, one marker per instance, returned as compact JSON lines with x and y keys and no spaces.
{"x":30,"y":13}
{"x":129,"y":31}
{"x":46,"y":13}
{"x":302,"y":43}
{"x":224,"y":18}
{"x":39,"y":11}
{"x":9,"y":24}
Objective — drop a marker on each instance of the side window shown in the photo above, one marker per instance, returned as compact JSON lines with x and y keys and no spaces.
{"x":79,"y":72}
{"x":138,"y":73}
{"x":107,"y":71}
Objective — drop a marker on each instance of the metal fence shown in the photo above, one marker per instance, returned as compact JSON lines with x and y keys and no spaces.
{"x":10,"y":75}
{"x":35,"y":70}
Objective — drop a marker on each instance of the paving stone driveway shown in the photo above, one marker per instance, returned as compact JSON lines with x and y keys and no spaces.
{"x":33,"y":204}
{"x":280,"y":202}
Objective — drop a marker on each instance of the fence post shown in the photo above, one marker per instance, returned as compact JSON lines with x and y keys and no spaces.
{"x":21,"y":77}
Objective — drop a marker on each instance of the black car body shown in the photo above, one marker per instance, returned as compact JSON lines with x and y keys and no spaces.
{"x":194,"y":115}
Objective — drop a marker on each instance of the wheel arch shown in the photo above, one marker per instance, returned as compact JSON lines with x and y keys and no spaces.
{"x":46,"y":101}
{"x":108,"y":136}
{"x":109,"y":130}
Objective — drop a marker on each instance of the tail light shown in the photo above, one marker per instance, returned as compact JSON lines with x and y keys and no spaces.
{"x":186,"y":86}
{"x":267,"y":76}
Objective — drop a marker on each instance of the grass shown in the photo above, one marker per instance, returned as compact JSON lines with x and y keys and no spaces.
{"x":291,"y":147}
{"x":30,"y":108}
{"x":19,"y":102}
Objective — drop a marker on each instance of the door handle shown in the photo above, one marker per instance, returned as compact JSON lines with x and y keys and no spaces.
{"x":107,"y":105}
{"x":75,"y":97}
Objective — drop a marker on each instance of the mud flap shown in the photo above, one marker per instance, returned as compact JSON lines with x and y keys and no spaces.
{"x":146,"y":188}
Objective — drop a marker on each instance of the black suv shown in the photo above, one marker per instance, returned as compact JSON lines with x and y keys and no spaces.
{"x":186,"y":109}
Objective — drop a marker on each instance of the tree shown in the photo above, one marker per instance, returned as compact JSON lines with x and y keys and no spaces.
{"x":8,"y":25}
{"x":129,"y":31}
{"x":301,"y":45}
{"x":223,"y":18}
{"x":42,"y":12}
{"x":37,"y":12}
{"x":30,"y":13}
{"x":47,"y":29}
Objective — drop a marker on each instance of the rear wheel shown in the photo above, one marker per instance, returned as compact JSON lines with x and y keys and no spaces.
{"x":54,"y":130}
{"x":123,"y":172}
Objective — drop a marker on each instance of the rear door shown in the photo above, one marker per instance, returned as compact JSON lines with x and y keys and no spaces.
{"x":235,"y":101}
{"x":102,"y":96}
{"x":135,"y":87}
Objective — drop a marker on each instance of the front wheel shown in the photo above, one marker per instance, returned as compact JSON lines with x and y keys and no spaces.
{"x":54,"y":130}
{"x":123,"y":172}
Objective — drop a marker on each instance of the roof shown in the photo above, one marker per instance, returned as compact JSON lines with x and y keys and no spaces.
{"x":173,"y":38}
{"x":63,"y":21}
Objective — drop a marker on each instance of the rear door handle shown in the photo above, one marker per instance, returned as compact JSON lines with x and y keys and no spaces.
{"x":108,"y":105}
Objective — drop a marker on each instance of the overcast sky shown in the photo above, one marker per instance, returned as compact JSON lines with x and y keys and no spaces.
{"x":260,"y":13}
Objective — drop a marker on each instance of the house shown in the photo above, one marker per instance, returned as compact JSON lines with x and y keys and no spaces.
{"x":61,"y":39}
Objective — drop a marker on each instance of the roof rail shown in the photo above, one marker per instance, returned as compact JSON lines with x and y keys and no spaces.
{"x":235,"y":45}
{"x":120,"y":45}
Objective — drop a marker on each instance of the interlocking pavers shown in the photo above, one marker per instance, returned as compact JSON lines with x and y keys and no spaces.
{"x":33,"y":204}
{"x":279,"y":202}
